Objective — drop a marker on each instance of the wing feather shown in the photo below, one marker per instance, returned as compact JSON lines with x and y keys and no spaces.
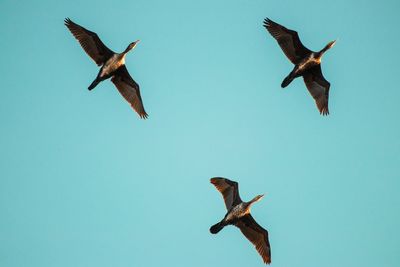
{"x":318,"y":88}
{"x":129,"y":89}
{"x":229,"y":190}
{"x":256,"y":235}
{"x":90,"y":42}
{"x":288,"y":40}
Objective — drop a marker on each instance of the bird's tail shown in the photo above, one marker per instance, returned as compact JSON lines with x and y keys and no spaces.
{"x":216,"y":228}
{"x":287,"y":81}
{"x":94,"y":84}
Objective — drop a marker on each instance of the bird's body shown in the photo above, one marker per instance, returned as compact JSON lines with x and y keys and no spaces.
{"x":109,"y":69}
{"x":307,"y":63}
{"x":310,"y":61}
{"x":112,"y":65}
{"x":238,"y":214}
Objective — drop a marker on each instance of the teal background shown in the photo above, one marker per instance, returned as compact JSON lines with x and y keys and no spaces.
{"x":85,"y":182}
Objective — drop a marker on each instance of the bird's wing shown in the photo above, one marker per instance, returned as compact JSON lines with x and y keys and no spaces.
{"x":318,"y":88}
{"x":129,"y":89}
{"x":229,"y":190}
{"x":90,"y":42}
{"x":288,"y":40}
{"x":256,"y":235}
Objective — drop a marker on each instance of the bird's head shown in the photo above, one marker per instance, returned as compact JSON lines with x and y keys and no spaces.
{"x":257,"y":198}
{"x":131,"y":46}
{"x":331,"y":44}
{"x":327,"y":47}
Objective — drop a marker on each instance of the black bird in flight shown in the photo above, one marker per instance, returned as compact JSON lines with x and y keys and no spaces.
{"x":239,"y":215}
{"x":307,"y":63}
{"x":112,"y":65}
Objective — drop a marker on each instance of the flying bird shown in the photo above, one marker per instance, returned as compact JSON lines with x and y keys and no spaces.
{"x":239,"y":215}
{"x":307,"y":63}
{"x":112,"y":65}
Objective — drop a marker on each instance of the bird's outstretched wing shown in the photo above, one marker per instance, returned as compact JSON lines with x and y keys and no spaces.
{"x":90,"y":42}
{"x":229,"y":190}
{"x":129,"y":89}
{"x":318,"y":88}
{"x":288,"y":40}
{"x":256,"y":235}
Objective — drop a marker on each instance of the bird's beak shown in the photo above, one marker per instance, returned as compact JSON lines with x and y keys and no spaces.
{"x":137,"y":41}
{"x":333,"y":43}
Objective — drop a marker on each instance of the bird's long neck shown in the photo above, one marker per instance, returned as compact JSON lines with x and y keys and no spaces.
{"x":120,"y":58}
{"x":126,"y":51}
{"x":323,"y":50}
{"x":254,"y":200}
{"x":247,"y":205}
{"x":326,"y":48}
{"x":123,"y":54}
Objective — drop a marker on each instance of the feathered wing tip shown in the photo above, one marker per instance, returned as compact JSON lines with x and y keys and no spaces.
{"x":216,"y":228}
{"x":268,"y":22}
{"x":66,"y":20}
{"x":144,"y":116}
{"x":324,"y":111}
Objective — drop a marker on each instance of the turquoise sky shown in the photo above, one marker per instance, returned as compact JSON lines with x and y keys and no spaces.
{"x":85,"y":182}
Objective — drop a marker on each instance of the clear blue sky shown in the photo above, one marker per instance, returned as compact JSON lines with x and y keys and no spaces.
{"x":85,"y":182}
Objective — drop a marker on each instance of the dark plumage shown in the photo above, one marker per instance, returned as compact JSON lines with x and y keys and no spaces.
{"x":112,"y":65}
{"x":238,"y":214}
{"x":307,"y":63}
